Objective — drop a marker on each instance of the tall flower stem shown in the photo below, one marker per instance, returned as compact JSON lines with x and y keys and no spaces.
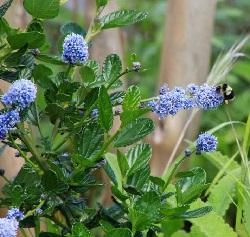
{"x":22,"y":153}
{"x":26,"y":140}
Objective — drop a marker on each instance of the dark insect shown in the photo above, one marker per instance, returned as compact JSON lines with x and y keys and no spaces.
{"x":226,"y":91}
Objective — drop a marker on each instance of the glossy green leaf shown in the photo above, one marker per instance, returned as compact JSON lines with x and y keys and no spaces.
{"x":90,"y":140}
{"x":199,"y":212}
{"x":79,"y":230}
{"x":139,"y":179}
{"x":51,"y":182}
{"x":223,"y":192}
{"x":211,"y":224}
{"x":122,"y":18}
{"x":50,"y":59}
{"x":189,"y":188}
{"x":113,"y":163}
{"x":45,"y":9}
{"x":106,"y":226}
{"x":105,"y":111}
{"x":123,"y":163}
{"x":182,"y":233}
{"x":33,"y":39}
{"x":41,"y":74}
{"x":138,"y":157}
{"x":112,"y":67}
{"x":134,"y":132}
{"x":119,"y":232}
{"x":94,"y":66}
{"x":132,"y":99}
{"x":87,"y":75}
{"x":129,"y":116}
{"x":145,"y":211}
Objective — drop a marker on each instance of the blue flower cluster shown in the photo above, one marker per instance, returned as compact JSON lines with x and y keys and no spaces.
{"x":21,"y":94}
{"x":75,"y":49}
{"x":170,"y":102}
{"x":8,"y":121}
{"x":206,"y":143}
{"x":15,"y":213}
{"x":9,"y":224}
{"x":8,"y":227}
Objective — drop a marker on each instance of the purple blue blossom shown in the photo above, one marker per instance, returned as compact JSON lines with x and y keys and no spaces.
{"x":15,"y":213}
{"x":75,"y":49}
{"x":21,"y":94}
{"x":8,"y":121}
{"x":8,"y":227}
{"x":207,"y":97}
{"x":170,"y":102}
{"x":206,"y":143}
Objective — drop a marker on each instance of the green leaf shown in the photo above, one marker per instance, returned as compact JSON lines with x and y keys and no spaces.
{"x":113,"y":163}
{"x":138,"y":180}
{"x":55,"y":111}
{"x":106,"y":226}
{"x":79,"y":230}
{"x":42,"y":74}
{"x":4,"y":7}
{"x":72,"y":27}
{"x":119,"y":232}
{"x":87,"y":75}
{"x":132,"y":99}
{"x":199,"y":212}
{"x":90,"y":140}
{"x":50,"y":59}
{"x":35,"y":25}
{"x":105,"y":112}
{"x":101,"y":3}
{"x":130,"y":106}
{"x":182,"y":233}
{"x":94,"y":66}
{"x":195,"y":232}
{"x":51,"y":183}
{"x":222,"y":194}
{"x":33,"y":39}
{"x":112,"y":67}
{"x":134,"y":131}
{"x":122,"y":18}
{"x":145,"y":211}
{"x":219,"y":160}
{"x":123,"y":163}
{"x":211,"y":224}
{"x":138,"y":157}
{"x":189,"y":188}
{"x":45,"y":9}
